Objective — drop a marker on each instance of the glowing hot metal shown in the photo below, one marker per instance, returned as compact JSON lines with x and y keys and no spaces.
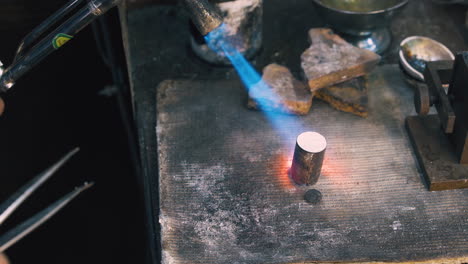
{"x":308,"y":158}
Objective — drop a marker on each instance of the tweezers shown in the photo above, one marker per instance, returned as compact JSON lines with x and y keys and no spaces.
{"x":11,"y":204}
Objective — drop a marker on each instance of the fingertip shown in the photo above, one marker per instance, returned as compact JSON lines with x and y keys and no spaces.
{"x":4,"y":259}
{"x":2,"y":106}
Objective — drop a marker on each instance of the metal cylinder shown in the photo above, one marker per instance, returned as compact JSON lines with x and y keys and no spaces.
{"x":243,"y":21}
{"x":308,"y":158}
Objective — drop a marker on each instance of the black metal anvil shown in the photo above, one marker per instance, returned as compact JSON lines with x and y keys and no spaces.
{"x":440,"y":140}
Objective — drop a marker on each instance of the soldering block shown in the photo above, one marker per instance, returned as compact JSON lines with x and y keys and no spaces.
{"x":279,"y":91}
{"x":350,"y":96}
{"x":331,"y":60}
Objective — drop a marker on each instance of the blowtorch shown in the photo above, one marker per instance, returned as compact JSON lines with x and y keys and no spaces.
{"x":33,"y":49}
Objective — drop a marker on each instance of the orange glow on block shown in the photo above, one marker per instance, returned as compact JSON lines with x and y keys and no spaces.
{"x":282,"y":166}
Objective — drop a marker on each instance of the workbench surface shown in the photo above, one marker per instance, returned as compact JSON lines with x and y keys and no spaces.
{"x":156,"y":39}
{"x":226,"y":196}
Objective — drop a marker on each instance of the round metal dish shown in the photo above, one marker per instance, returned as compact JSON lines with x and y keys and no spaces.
{"x":364,"y":22}
{"x":416,"y":51}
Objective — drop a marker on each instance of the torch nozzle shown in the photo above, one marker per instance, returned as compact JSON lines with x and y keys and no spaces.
{"x":204,"y":15}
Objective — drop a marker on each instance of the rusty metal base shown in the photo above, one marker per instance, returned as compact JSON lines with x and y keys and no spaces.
{"x":436,"y":154}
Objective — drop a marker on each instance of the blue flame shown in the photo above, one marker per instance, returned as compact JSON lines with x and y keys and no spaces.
{"x":286,"y":125}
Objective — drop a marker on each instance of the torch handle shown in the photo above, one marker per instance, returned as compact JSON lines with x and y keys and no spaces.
{"x":56,"y":39}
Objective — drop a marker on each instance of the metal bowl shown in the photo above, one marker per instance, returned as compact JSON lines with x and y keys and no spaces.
{"x":416,"y":51}
{"x":364,"y":22}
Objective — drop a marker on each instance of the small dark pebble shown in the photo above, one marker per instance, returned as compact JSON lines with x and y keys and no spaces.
{"x":313,"y":196}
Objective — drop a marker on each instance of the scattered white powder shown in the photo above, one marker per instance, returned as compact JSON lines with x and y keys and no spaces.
{"x":396,"y":225}
{"x":236,"y":11}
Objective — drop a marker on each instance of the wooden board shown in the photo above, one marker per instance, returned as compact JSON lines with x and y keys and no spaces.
{"x":226,"y":196}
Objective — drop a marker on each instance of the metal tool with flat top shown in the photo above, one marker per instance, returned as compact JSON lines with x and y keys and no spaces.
{"x":11,"y":204}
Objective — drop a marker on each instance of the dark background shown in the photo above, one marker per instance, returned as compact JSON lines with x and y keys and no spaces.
{"x":51,"y":110}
